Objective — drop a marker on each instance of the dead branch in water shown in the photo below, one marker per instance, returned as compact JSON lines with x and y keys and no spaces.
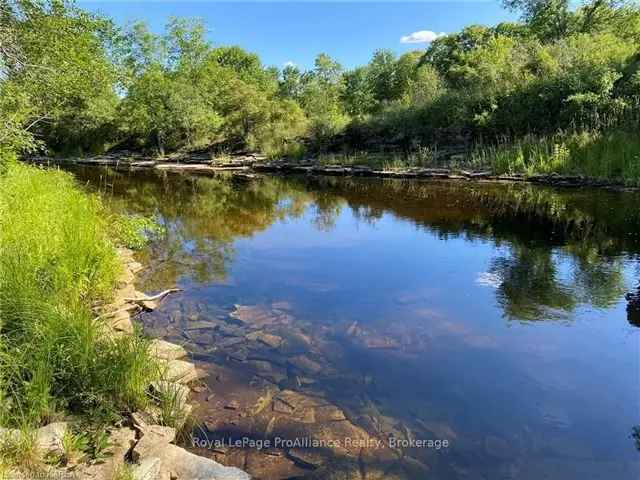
{"x":153,"y":297}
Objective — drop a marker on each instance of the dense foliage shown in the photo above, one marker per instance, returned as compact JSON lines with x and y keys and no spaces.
{"x":74,"y":82}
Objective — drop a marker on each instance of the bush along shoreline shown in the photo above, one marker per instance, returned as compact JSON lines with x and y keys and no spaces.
{"x":83,"y":392}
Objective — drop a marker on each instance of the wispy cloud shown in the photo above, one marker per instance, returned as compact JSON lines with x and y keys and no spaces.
{"x":289,"y":64}
{"x":421,"y":36}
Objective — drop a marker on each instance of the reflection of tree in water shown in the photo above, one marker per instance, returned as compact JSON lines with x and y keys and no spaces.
{"x":203,"y":216}
{"x":635,"y":434}
{"x":530,"y":286}
{"x":633,"y":307}
{"x":544,"y":229}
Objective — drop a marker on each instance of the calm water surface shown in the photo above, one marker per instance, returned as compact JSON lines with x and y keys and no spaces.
{"x":490,"y":315}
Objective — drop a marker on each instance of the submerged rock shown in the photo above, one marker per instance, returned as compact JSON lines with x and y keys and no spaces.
{"x":273,"y":341}
{"x":304,"y":363}
{"x":259,"y":316}
{"x":166,"y":351}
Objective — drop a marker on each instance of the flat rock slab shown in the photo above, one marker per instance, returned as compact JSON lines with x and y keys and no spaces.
{"x":166,"y":351}
{"x":180,"y":371}
{"x":259,"y":315}
{"x":149,"y":468}
{"x":273,"y":341}
{"x":176,"y":461}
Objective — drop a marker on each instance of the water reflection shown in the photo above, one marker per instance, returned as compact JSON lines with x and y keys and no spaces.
{"x":388,"y":300}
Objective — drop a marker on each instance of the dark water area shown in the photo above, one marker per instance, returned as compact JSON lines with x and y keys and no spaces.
{"x":489,"y":315}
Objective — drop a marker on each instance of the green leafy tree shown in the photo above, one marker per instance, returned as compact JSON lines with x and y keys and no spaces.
{"x":358,"y":96}
{"x":57,"y":62}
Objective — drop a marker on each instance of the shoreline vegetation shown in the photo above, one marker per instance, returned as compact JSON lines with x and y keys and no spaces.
{"x":556,"y":92}
{"x":82,"y":389}
{"x":365,"y":165}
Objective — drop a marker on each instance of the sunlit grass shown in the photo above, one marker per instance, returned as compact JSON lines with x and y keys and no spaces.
{"x":613,"y":155}
{"x":57,"y":261}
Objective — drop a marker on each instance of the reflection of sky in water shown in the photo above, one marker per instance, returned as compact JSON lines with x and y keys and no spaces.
{"x":572,"y":385}
{"x":561,"y":394}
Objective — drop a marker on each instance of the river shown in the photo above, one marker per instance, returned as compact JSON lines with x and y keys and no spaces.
{"x":480,"y":327}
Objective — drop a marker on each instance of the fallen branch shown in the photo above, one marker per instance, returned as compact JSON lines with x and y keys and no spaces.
{"x":153,"y":297}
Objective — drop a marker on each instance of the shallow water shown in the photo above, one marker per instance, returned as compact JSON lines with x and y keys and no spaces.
{"x":491,"y":315}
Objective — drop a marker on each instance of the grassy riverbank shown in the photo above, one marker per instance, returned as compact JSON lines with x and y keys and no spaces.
{"x":613,"y":155}
{"x":58,"y":260}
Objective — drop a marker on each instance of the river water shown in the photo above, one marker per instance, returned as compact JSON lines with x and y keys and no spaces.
{"x":487,"y":317}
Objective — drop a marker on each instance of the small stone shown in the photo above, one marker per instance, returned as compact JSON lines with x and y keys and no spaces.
{"x":238,"y":355}
{"x":135,"y":267}
{"x":232,"y":405}
{"x":49,"y":438}
{"x":121,"y":322}
{"x":281,"y":406}
{"x":126,"y":277}
{"x":304,"y":363}
{"x":229,"y":342}
{"x":273,"y":341}
{"x":201,"y":325}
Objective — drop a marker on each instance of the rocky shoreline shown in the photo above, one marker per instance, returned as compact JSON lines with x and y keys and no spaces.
{"x":248,"y":165}
{"x":139,"y":445}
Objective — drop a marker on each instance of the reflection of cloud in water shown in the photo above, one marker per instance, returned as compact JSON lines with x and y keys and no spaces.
{"x":488,"y":279}
{"x":313,"y":286}
{"x":420,"y":296}
{"x":438,"y":326}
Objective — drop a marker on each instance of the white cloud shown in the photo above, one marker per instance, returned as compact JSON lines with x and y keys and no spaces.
{"x":289,"y":64}
{"x":422,"y":36}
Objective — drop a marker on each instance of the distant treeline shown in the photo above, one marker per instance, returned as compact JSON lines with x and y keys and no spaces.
{"x":73,"y":82}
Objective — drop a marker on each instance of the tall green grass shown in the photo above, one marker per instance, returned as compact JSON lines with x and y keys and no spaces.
{"x":612,"y":154}
{"x":56,"y":262}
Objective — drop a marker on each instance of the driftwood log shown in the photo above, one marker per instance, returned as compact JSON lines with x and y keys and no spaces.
{"x":151,"y":302}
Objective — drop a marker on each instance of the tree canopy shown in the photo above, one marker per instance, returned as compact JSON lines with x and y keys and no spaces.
{"x":74,"y":82}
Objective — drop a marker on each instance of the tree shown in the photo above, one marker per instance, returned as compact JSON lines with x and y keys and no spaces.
{"x":291,"y":83}
{"x":547,"y":19}
{"x":327,"y":69}
{"x":58,"y":62}
{"x":358,"y":96}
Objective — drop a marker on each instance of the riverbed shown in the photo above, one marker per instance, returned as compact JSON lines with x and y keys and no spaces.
{"x":398,"y":328}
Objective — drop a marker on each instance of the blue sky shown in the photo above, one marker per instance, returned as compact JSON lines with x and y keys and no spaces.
{"x":295,"y":32}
